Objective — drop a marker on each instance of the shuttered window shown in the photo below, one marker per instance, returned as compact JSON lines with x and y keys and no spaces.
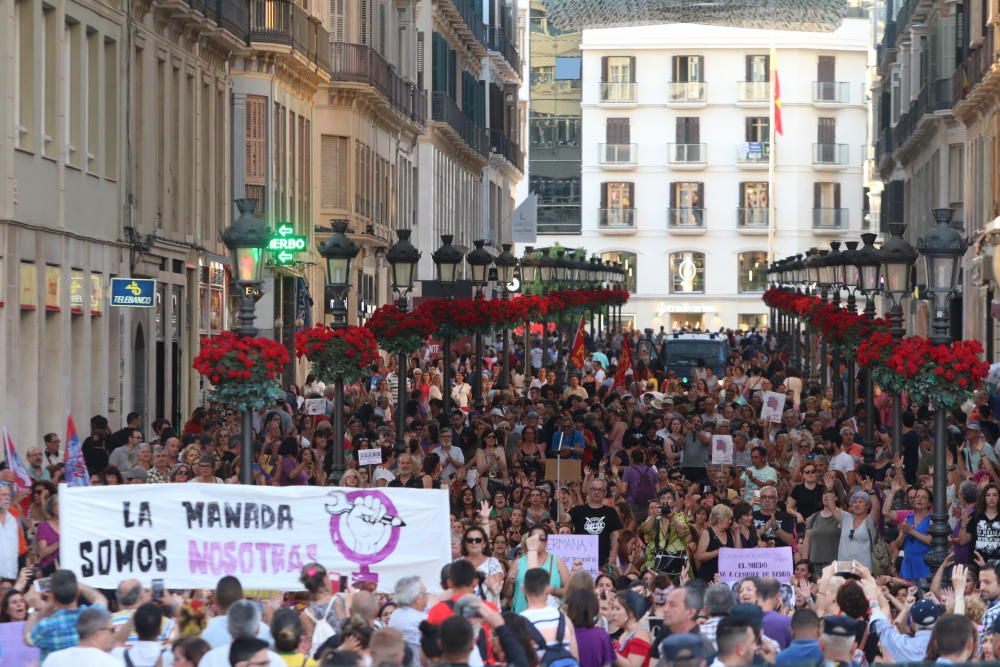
{"x":617,"y":194}
{"x":256,"y":139}
{"x":337,"y":25}
{"x":826,"y":130}
{"x":826,"y":195}
{"x":618,"y":69}
{"x":688,"y":130}
{"x":826,"y":68}
{"x":618,"y":131}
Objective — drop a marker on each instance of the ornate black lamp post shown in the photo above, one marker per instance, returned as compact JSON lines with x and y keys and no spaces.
{"x":402,"y":257}
{"x":479,"y":266}
{"x":448,"y":260}
{"x":246,"y":239}
{"x":338,"y":251}
{"x":505,"y":263}
{"x":897,"y":257}
{"x":529,"y":273}
{"x":869,"y":266}
{"x":852,"y":282}
{"x":835,"y":264}
{"x":942,"y":249}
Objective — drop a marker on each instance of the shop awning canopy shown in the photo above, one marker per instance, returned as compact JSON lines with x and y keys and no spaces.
{"x":806,"y":15}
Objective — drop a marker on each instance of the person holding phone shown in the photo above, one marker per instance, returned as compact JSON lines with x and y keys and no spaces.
{"x":535,"y":555}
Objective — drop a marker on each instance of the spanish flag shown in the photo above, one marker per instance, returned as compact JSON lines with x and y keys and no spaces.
{"x":579,"y":351}
{"x":777,"y":104}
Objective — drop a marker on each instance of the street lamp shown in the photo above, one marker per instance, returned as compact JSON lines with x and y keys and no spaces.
{"x":897,"y":257}
{"x":246,"y":239}
{"x":402,"y":258}
{"x":868,"y":264}
{"x":835,"y":265}
{"x":529,"y":273}
{"x":339,"y":251}
{"x":479,"y":261}
{"x":942,"y":249}
{"x":448,"y":260}
{"x":852,"y":283}
{"x":506,"y":263}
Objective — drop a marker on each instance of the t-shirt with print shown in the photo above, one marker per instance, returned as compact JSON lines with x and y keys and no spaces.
{"x":601,"y":522}
{"x":985,"y":534}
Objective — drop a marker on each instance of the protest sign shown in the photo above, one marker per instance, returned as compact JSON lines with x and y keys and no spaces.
{"x":370,"y":457}
{"x":190,"y":535}
{"x":572,"y":548}
{"x":773,"y":407}
{"x":315,"y":406}
{"x":722,"y":449}
{"x":13,"y":650}
{"x":735,"y":564}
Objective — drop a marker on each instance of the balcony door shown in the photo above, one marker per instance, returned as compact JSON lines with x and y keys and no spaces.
{"x":687,"y":69}
{"x":618,"y":69}
{"x":618,"y":141}
{"x":826,"y":196}
{"x":758,"y":68}
{"x":757,"y":129}
{"x":617,"y":201}
{"x":686,"y":203}
{"x":826,"y":138}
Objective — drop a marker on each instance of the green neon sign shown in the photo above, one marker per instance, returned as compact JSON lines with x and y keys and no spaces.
{"x":286,"y":244}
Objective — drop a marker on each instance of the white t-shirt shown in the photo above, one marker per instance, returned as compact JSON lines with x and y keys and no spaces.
{"x":448,"y":469}
{"x":219,"y":657}
{"x":842,"y":462}
{"x":142,"y":654}
{"x":536,"y":357}
{"x":382,"y":473}
{"x":546,"y":621}
{"x":9,"y":545}
{"x":78,"y":656}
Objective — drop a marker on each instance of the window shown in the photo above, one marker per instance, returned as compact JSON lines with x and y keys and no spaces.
{"x":50,"y":71}
{"x":826,"y":195}
{"x":752,"y":321}
{"x":758,"y":68}
{"x":568,"y":68}
{"x":686,"y":195}
{"x":628,"y":261}
{"x":91,"y":90}
{"x":688,"y":69}
{"x":752,"y":271}
{"x":617,"y":195}
{"x":758,"y":129}
{"x":826,"y":131}
{"x":23,"y":88}
{"x":555,"y":132}
{"x":111,"y":107}
{"x":72,"y":102}
{"x":688,"y":130}
{"x":618,"y":131}
{"x":687,"y":272}
{"x":753,"y":194}
{"x":826,"y":69}
{"x":618,"y":69}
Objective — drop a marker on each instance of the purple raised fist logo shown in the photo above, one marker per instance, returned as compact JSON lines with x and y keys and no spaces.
{"x":365,"y":527}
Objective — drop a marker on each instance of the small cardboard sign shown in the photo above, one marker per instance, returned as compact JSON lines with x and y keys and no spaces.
{"x":370,"y":457}
{"x":315,"y":406}
{"x":773,"y":407}
{"x":722,"y":449}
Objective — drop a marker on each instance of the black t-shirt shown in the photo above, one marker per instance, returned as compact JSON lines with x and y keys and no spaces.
{"x":807,"y":502}
{"x":985,"y":534}
{"x":784,"y":520}
{"x":911,"y":456}
{"x":412,"y":483}
{"x":601,"y":522}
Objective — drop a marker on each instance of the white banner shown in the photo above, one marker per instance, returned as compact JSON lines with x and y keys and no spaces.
{"x":192,"y":534}
{"x":572,"y":548}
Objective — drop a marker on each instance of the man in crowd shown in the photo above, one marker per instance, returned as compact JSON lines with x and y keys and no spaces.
{"x":596,"y":518}
{"x":93,"y":638}
{"x":776,"y":625}
{"x":218,"y":631}
{"x":54,"y":627}
{"x":737,"y":643}
{"x":243,"y":621}
{"x":839,"y":640}
{"x":804,"y":648}
{"x":147,"y":650}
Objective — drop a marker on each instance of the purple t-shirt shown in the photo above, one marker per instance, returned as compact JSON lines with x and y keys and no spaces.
{"x":288,"y":464}
{"x":632,"y":476}
{"x":47,"y":533}
{"x":778,"y":627}
{"x":595,"y":648}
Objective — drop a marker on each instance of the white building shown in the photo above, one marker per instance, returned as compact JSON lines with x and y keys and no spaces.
{"x":675,"y":165}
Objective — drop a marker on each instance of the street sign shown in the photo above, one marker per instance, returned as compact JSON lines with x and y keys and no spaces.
{"x":286,"y":244}
{"x":133,"y":292}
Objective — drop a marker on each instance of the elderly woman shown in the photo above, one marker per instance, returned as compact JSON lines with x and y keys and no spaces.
{"x":718,"y":535}
{"x":858,"y":527}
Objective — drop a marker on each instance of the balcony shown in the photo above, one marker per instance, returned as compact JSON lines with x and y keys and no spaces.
{"x":232,"y":16}
{"x":933,"y":97}
{"x":830,"y":155}
{"x":753,"y":153}
{"x":559,"y":219}
{"x":617,"y":92}
{"x":753,"y":92}
{"x":358,"y":63}
{"x":752,"y":219}
{"x":829,"y":219}
{"x":690,"y":156}
{"x":466,"y":20}
{"x":501,"y":144}
{"x":444,"y":110}
{"x":496,"y":40}
{"x":686,"y":92}
{"x":623,"y":156}
{"x":831,"y":92}
{"x":285,"y":23}
{"x":616,"y":220}
{"x":686,"y":219}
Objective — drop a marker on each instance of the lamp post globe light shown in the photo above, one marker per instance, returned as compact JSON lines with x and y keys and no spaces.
{"x":506,"y":264}
{"x":338,"y":251}
{"x":246,"y":239}
{"x":897,"y":258}
{"x":403,"y":258}
{"x":479,"y":260}
{"x":448,"y":261}
{"x":942,"y":249}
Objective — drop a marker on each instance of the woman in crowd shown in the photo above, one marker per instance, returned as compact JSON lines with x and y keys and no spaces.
{"x":823,"y":530}
{"x":858,"y":528}
{"x":716,"y":537}
{"x":535,"y":554}
{"x":634,"y":646}
{"x":287,"y":630}
{"x":13,"y":608}
{"x":47,"y":538}
{"x":188,"y":651}
{"x":475,"y":549}
{"x":914,"y":538}
{"x":593,"y":642}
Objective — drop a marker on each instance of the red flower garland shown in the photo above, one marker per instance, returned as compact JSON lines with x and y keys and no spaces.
{"x":397,"y":331}
{"x":244,"y":371}
{"x":350,"y":352}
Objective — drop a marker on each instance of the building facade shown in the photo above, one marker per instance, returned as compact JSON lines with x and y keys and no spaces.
{"x":676,"y":153}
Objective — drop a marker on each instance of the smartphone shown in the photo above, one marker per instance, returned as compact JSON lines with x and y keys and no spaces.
{"x":654,"y":623}
{"x":342,"y":582}
{"x":157,"y":590}
{"x":43,"y":585}
{"x":845,"y":566}
{"x":470,"y":612}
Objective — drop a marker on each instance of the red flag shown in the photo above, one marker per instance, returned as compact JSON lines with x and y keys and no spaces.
{"x":579,"y":351}
{"x":624,"y":363}
{"x":777,"y":105}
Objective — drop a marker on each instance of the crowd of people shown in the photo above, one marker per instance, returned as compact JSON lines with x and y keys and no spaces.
{"x":553,"y":449}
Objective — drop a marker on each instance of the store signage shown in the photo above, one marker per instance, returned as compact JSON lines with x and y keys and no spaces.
{"x":286,"y":244}
{"x":685,"y":308}
{"x":133,"y":292}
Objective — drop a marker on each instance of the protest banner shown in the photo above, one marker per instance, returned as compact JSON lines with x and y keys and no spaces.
{"x":370,"y":457}
{"x":190,"y":535}
{"x":572,"y":548}
{"x":722,"y":449}
{"x":13,"y":650}
{"x":735,"y":564}
{"x":315,"y":406}
{"x":773,"y":406}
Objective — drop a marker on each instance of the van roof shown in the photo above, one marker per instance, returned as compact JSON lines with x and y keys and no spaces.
{"x":696,"y":336}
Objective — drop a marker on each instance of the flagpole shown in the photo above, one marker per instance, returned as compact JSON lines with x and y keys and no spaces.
{"x":772,"y":157}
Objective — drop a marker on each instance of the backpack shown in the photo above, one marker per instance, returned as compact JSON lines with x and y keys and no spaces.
{"x":322,"y":630}
{"x":644,"y":490}
{"x":555,"y":655}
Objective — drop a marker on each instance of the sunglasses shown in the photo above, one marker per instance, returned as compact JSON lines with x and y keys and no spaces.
{"x":474,"y":540}
{"x":808,"y":472}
